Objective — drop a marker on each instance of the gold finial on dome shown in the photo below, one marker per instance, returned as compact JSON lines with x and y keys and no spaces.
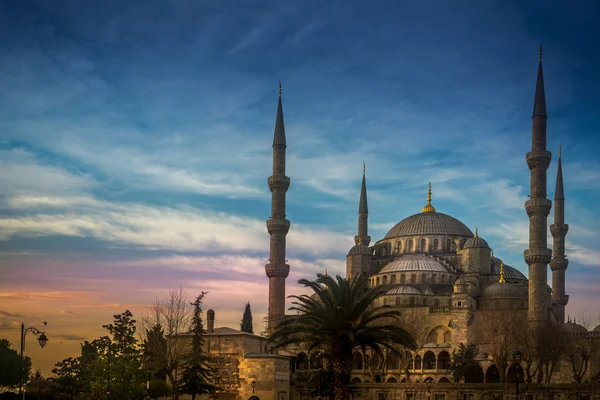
{"x":476,"y":232}
{"x":501,"y":280}
{"x":428,"y":207}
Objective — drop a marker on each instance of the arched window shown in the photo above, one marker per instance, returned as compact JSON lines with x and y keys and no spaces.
{"x":424,"y":301}
{"x":432,"y":278}
{"x":393,"y":279}
{"x":448,"y":244}
{"x":447,"y":337}
{"x":355,"y":380}
{"x":428,"y":379}
{"x":423,"y":245}
{"x":443,"y":360}
{"x":377,"y":281}
{"x":384,"y":280}
{"x":402,"y":278}
{"x":391,"y":361}
{"x":399,"y":247}
{"x":436,"y":244}
{"x":410,"y":245}
{"x":397,"y":301}
{"x":429,"y":360}
{"x":412,"y":301}
{"x":392,"y":380}
{"x":385,"y":301}
{"x":443,"y":379}
{"x":423,"y":278}
{"x":302,"y":361}
{"x":443,"y":278}
{"x":436,"y":302}
{"x":315,"y":361}
{"x":413,"y":278}
{"x":492,"y":375}
{"x":357,"y":360}
{"x":376,"y":361}
{"x":432,"y":337}
{"x":418,"y":362}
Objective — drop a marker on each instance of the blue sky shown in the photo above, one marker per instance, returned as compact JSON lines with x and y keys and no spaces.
{"x":135,"y":141}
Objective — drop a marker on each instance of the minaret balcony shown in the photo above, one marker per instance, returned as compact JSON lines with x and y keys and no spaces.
{"x":538,"y":159}
{"x":278,"y":225}
{"x":278,"y":183}
{"x":274,"y":270}
{"x":538,"y":206}
{"x":559,"y":230}
{"x":558,"y":264}
{"x":538,"y":256}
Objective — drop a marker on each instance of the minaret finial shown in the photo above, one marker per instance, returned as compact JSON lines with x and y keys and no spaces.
{"x":280,"y":88}
{"x":364,"y":168}
{"x":559,"y":151}
{"x":501,"y":280}
{"x":540,"y":51}
{"x":476,"y":232}
{"x":428,"y":207}
{"x":492,"y":254}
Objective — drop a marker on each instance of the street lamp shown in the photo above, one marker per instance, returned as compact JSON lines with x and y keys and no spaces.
{"x":148,"y":364}
{"x":42,"y":339}
{"x":517,"y":356}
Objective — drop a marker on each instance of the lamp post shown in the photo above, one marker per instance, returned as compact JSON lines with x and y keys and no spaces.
{"x":148,"y":364}
{"x":42,"y":339}
{"x":108,"y":370}
{"x":517,"y":356}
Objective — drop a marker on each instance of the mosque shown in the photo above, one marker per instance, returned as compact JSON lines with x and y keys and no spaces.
{"x":440,"y":275}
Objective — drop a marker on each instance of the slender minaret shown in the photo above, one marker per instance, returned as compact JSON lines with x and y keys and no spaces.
{"x":537,"y":256}
{"x":362,"y":236}
{"x":277,"y":269}
{"x":559,"y":262}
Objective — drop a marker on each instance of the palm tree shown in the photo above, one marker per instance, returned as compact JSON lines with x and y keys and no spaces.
{"x":337,"y":318}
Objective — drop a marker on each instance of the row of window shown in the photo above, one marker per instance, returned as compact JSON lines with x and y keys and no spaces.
{"x":392,"y":362}
{"x":394,"y":278}
{"x":423,"y":245}
{"x":412,"y":301}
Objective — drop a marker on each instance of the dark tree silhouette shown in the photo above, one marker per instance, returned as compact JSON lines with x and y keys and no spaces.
{"x":246,"y":324}
{"x":339,"y":317}
{"x":197,"y":378}
{"x":462,"y":361}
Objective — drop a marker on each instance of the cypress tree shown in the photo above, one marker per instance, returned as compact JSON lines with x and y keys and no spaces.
{"x":246,"y":324}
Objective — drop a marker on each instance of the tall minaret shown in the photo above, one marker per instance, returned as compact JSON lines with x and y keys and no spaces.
{"x":277,"y":269}
{"x":537,"y":256}
{"x":362,"y":236}
{"x":559,"y":230}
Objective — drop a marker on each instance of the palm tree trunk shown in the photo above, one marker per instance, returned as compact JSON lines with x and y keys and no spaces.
{"x":341,"y":377}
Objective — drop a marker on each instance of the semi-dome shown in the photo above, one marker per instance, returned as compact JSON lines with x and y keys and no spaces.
{"x":573,"y":327}
{"x":509,"y":272}
{"x":476,"y":242}
{"x":503,"y":290}
{"x":429,"y":223}
{"x":404,"y":289}
{"x":359,"y":249}
{"x":413,"y":263}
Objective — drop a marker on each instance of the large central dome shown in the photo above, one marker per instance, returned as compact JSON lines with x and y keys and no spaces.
{"x":429,"y":223}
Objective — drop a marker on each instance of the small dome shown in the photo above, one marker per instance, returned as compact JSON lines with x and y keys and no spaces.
{"x":404,"y":289}
{"x":597,"y":329}
{"x":476,"y":242}
{"x":360,"y":249}
{"x":413,"y":263}
{"x":573,"y":327}
{"x":503,"y":290}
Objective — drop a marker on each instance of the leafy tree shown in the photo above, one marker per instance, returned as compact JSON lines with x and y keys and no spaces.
{"x":246,"y":324}
{"x":11,"y":370}
{"x":462,"y":361}
{"x":67,"y":376}
{"x":155,"y":346}
{"x":39,"y":386}
{"x":126,"y":356}
{"x":339,"y":317}
{"x":196,"y":378}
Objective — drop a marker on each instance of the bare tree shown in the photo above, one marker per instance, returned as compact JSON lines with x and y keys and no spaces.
{"x":419,"y":328}
{"x":173,"y":315}
{"x":500,"y":334}
{"x":580,"y":348}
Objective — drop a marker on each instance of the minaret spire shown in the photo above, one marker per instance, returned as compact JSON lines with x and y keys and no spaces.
{"x":362,"y":236}
{"x":428,"y":207}
{"x":559,"y":230}
{"x":537,"y":256}
{"x":277,"y":225}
